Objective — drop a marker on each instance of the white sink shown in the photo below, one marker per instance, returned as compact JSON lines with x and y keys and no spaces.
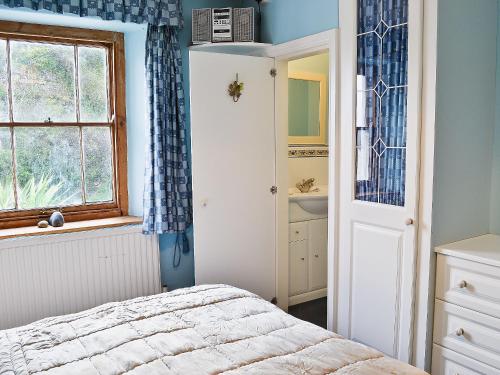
{"x":315,"y":202}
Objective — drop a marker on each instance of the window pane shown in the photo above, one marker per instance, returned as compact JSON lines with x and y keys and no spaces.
{"x":93,"y":84}
{"x":6,"y":179}
{"x":48,"y":166}
{"x":43,"y":82}
{"x":98,"y":164}
{"x":4,"y":98}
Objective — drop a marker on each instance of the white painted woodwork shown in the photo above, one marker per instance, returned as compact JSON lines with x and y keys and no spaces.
{"x":448,"y":362}
{"x":377,"y":249}
{"x":298,"y":231}
{"x":467,"y":332}
{"x":307,"y":296}
{"x":318,"y":250}
{"x":65,"y":273}
{"x":425,"y":270}
{"x":233,"y":164}
{"x":469,"y":284}
{"x":482,"y":249}
{"x":298,"y":267}
{"x":468,"y":299}
{"x":308,"y":256}
{"x":376,"y":283}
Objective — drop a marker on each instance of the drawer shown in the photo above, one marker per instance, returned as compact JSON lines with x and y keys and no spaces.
{"x":468,"y":284}
{"x":448,"y":362}
{"x":298,"y":231}
{"x":467,"y":332}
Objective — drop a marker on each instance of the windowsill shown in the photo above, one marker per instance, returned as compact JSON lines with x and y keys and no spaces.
{"x":77,"y":226}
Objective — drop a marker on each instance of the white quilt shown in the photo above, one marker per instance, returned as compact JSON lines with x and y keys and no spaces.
{"x":208,"y":329}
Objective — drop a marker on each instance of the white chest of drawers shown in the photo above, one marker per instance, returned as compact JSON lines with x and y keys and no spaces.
{"x":467,"y":308}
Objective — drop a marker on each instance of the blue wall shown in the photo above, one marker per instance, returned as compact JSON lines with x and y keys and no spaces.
{"x":495,"y":176}
{"x":465,"y":117}
{"x":285,"y":20}
{"x":184,"y":274}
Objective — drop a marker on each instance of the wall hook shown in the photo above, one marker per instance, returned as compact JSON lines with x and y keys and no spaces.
{"x":235,"y":89}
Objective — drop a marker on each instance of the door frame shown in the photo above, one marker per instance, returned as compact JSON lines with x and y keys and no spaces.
{"x":426,"y":258}
{"x":327,"y":41}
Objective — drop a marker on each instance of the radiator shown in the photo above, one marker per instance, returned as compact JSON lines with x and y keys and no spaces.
{"x":65,"y":273}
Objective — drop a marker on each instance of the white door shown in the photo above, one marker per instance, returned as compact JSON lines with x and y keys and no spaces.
{"x":380,"y":102}
{"x":233,"y":164}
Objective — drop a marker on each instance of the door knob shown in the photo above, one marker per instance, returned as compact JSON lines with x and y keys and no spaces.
{"x":462,"y":284}
{"x":460,"y":332}
{"x":409,"y":221}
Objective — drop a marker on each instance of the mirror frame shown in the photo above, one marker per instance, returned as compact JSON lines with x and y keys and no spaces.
{"x":312,"y":140}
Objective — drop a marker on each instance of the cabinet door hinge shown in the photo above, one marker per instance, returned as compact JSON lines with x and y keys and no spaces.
{"x":273,"y":72}
{"x":273,"y":190}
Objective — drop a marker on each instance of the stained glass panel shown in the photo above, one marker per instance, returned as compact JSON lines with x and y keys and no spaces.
{"x":381,"y":109}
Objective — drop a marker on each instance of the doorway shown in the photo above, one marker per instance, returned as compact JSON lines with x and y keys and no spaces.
{"x":305,"y":145}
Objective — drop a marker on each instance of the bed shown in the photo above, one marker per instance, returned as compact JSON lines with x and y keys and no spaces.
{"x":208,"y":329}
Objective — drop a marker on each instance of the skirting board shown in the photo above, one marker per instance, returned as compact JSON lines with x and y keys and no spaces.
{"x":306,"y":297}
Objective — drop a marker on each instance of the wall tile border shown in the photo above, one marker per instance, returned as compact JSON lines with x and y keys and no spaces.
{"x":307,"y":152}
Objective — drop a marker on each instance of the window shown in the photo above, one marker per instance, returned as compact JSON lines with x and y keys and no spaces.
{"x":62,"y":124}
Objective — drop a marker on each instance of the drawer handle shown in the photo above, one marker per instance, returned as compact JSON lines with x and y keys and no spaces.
{"x":302,"y":258}
{"x":460,"y":332}
{"x":297,"y":232}
{"x":316,"y":255}
{"x":462,"y":284}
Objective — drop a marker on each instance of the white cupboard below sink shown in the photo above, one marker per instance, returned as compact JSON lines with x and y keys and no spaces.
{"x":308,"y":243}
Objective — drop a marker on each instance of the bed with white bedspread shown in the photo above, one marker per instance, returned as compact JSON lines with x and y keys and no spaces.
{"x":207,"y":329}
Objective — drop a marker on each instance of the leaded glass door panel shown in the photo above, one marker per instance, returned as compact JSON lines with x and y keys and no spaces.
{"x":381,"y":68}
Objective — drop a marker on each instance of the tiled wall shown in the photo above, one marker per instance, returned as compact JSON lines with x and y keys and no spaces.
{"x":308,"y":162}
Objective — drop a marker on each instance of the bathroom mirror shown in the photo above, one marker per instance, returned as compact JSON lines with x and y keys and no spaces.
{"x":306,"y":108}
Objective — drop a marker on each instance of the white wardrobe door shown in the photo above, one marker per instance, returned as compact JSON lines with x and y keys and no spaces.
{"x":233,"y":163}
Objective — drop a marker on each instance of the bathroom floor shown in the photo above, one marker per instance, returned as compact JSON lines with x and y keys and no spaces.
{"x":312,"y":311}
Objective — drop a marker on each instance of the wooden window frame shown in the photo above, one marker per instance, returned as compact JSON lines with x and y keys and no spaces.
{"x":114,"y":42}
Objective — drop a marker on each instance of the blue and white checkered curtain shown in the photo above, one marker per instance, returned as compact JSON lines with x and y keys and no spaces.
{"x":154,"y":12}
{"x":382,"y":84}
{"x":167,"y":193}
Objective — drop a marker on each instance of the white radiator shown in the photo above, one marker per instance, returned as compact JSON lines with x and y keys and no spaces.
{"x":65,"y":273}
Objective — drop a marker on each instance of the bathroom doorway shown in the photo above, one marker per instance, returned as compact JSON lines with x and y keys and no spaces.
{"x":306,"y":134}
{"x":308,"y":79}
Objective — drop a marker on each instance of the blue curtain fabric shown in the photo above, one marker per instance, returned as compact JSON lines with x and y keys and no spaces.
{"x":154,"y":12}
{"x":167,"y":193}
{"x":382,"y":84}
